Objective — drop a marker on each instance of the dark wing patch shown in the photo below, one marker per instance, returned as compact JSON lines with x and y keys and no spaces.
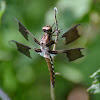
{"x":74,"y":54}
{"x":21,"y":47}
{"x":71,"y":35}
{"x":27,"y":35}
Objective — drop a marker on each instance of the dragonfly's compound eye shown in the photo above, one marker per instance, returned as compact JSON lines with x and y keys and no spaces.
{"x":47,"y":28}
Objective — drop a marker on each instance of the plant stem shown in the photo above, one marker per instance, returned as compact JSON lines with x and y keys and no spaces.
{"x":54,"y":48}
{"x":57,"y":31}
{"x":52,"y":91}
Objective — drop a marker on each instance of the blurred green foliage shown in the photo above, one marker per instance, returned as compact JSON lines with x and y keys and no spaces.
{"x":25,"y":79}
{"x":2,"y":8}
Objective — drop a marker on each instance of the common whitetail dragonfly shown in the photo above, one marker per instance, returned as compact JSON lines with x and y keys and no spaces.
{"x":45,"y":45}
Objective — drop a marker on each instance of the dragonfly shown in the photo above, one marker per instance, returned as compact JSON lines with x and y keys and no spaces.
{"x":45,"y":45}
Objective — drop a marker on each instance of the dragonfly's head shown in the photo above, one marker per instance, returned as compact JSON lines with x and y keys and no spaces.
{"x":47,"y":29}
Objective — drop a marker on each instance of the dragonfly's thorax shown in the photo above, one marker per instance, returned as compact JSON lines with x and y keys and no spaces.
{"x":47,"y":36}
{"x":45,"y":39}
{"x":44,"y":48}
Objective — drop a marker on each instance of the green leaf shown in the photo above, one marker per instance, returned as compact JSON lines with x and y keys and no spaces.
{"x":95,"y":87}
{"x":96,"y":75}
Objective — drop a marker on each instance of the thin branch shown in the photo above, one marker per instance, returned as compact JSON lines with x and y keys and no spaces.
{"x":56,"y":28}
{"x":52,"y":92}
{"x":54,"y":48}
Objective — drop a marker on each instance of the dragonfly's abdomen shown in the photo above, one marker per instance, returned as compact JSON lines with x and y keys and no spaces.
{"x":51,"y":70}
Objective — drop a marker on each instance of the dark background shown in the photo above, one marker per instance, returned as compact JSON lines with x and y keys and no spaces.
{"x":24,"y":79}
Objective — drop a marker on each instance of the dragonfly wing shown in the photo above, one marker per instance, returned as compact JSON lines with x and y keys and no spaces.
{"x":72,"y":54}
{"x":24,"y":49}
{"x":27,"y":35}
{"x":71,"y":35}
